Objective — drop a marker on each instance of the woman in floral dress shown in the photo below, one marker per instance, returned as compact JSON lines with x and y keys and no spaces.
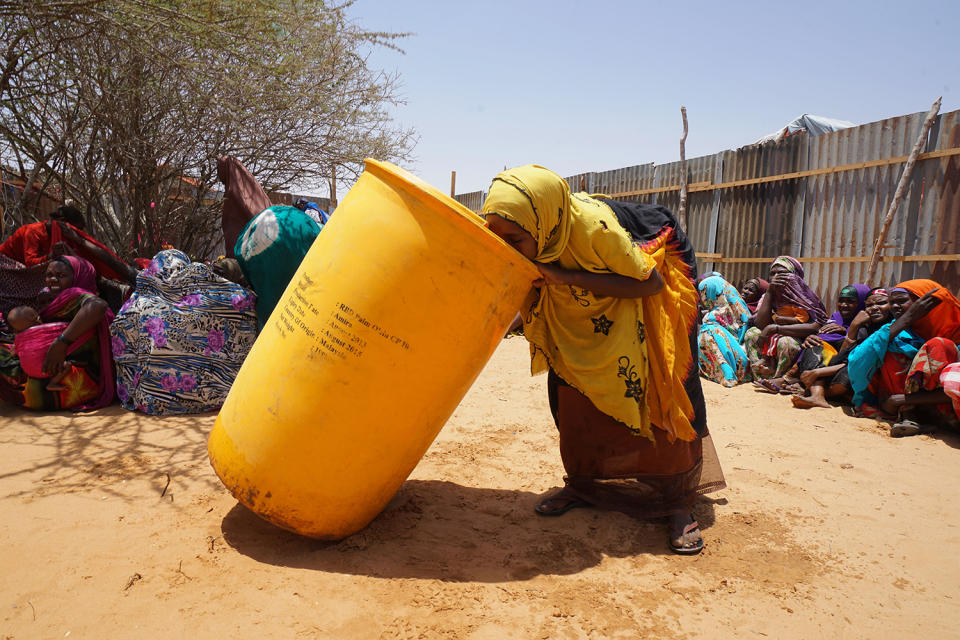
{"x":722,"y":358}
{"x":180,"y":340}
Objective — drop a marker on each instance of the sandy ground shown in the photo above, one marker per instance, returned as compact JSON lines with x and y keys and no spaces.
{"x":829,"y":528}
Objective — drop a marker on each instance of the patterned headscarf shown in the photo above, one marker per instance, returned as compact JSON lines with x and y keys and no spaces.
{"x":762,"y":285}
{"x":797,"y":292}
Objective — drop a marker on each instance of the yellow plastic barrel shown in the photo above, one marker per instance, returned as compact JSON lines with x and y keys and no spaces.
{"x":394,"y":311}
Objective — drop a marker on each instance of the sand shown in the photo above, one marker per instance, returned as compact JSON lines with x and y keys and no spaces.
{"x":115,"y":526}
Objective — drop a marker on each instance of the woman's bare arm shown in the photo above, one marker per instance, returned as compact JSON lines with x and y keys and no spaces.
{"x":612,"y":285}
{"x":89,"y":315}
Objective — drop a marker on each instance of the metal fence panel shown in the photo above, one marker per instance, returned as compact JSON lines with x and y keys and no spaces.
{"x":937,"y":228}
{"x":844,"y":211}
{"x":834,"y":214}
{"x":472,"y":200}
{"x":756,"y":221}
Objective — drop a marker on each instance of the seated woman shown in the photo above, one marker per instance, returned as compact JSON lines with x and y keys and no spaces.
{"x":26,"y":253}
{"x":819,"y":348}
{"x":722,"y":359}
{"x":180,"y":339}
{"x":268,"y":242}
{"x":898,"y":370}
{"x":788,"y":313}
{"x":752,"y":291}
{"x":831,"y":380}
{"x":70,"y":297}
{"x":34,"y":243}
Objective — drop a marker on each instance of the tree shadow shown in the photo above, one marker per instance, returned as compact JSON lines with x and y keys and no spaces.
{"x":67,"y":452}
{"x":444,"y":531}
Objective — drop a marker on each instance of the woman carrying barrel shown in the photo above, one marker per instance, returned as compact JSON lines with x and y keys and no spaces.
{"x":615,"y":325}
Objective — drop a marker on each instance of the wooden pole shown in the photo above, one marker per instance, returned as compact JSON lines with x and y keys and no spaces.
{"x":901,"y":189}
{"x":333,"y":187}
{"x":453,"y":183}
{"x":682,"y":214}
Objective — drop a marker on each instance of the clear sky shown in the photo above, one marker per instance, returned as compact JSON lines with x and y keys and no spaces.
{"x":598,"y":84}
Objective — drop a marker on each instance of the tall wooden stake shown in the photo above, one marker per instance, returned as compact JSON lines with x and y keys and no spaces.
{"x":682,"y":214}
{"x":453,"y":183}
{"x":333,"y":187}
{"x":901,"y":189}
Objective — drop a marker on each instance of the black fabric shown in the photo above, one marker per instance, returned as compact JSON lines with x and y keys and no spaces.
{"x":842,"y":378}
{"x":644,"y":222}
{"x":554,"y":381}
{"x":810,"y":359}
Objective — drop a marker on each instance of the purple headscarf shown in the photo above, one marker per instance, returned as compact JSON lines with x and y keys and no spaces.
{"x":860,"y":291}
{"x":796,"y":292}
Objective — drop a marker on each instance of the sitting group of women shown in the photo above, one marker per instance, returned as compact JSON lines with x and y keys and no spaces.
{"x":173,"y":340}
{"x":888,"y":352}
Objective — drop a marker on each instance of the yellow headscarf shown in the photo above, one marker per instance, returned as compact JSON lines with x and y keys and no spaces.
{"x":629,"y":364}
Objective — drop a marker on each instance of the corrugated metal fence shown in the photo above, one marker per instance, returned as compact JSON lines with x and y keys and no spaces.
{"x":827,"y":216}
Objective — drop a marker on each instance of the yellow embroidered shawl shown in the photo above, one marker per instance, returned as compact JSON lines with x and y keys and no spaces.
{"x":629,"y":356}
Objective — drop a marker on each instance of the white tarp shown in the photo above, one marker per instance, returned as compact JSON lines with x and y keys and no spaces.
{"x":814,"y":125}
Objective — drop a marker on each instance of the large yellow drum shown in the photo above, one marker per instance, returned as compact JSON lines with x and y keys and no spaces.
{"x":394,"y":311}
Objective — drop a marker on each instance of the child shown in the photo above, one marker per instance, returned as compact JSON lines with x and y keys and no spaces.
{"x":33,"y":339}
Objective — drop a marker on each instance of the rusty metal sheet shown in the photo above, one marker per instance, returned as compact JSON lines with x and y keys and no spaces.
{"x":472,"y":200}
{"x":827,"y":215}
{"x":844,"y":211}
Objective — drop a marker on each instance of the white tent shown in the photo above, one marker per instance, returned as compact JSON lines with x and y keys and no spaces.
{"x":814,"y":125}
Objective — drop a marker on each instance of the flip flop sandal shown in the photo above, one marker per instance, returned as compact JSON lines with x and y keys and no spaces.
{"x":544,"y":508}
{"x":768,"y":386}
{"x":906,"y":428}
{"x":682,"y":550}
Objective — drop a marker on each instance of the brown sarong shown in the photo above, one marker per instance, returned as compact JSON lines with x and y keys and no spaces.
{"x":611,"y":468}
{"x":243,"y":199}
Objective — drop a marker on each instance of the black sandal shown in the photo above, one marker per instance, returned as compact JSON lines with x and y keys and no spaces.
{"x":543,"y":508}
{"x":682,"y":549}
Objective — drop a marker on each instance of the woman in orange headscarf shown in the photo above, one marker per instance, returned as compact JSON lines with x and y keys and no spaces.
{"x":932,"y":313}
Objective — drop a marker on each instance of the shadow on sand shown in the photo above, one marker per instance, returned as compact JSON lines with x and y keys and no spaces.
{"x":444,"y":531}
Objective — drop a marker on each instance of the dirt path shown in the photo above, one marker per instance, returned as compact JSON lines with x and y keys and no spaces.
{"x":114,"y":526}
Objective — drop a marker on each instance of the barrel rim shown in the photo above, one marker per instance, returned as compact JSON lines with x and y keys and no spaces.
{"x":420,"y":188}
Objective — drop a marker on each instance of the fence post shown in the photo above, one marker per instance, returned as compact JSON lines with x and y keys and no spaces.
{"x":901,"y":187}
{"x":656,"y":184}
{"x":683,"y":171}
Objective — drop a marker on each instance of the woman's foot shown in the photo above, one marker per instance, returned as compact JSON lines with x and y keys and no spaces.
{"x":685,"y":537}
{"x":808,"y":402}
{"x":765,"y":371}
{"x":559,"y":503}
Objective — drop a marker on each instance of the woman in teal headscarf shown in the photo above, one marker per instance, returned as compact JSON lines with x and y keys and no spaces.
{"x":270,"y":249}
{"x":722,"y":358}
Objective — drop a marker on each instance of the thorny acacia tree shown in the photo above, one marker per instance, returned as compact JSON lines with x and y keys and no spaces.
{"x":123,"y":105}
